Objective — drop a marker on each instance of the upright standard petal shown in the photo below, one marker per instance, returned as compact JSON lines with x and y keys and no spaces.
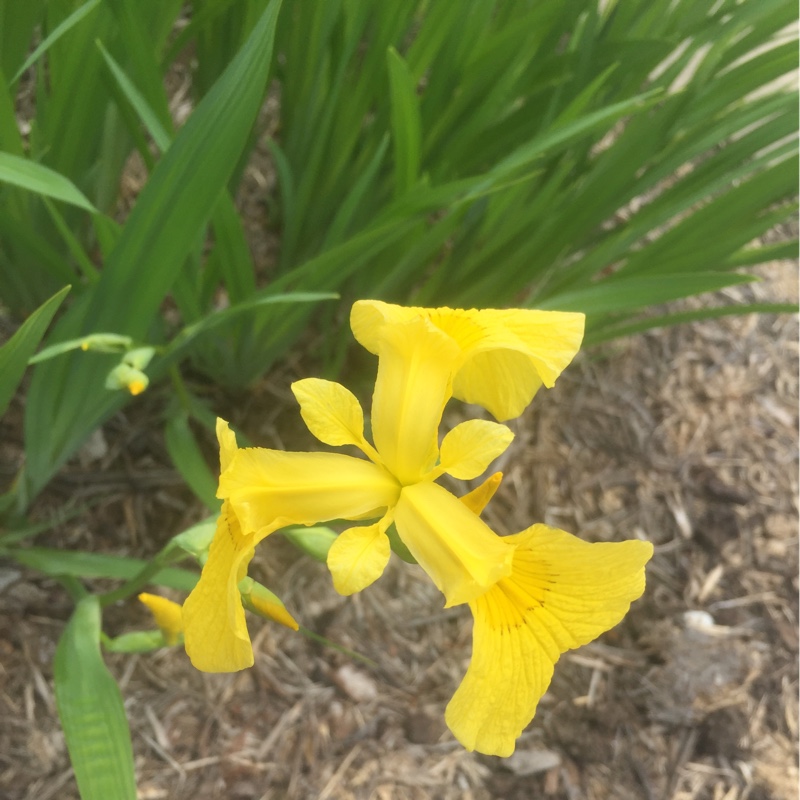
{"x":331,"y":412}
{"x":460,"y":553}
{"x":270,"y":489}
{"x":562,"y":593}
{"x":359,"y":556}
{"x":215,"y":631}
{"x":471,"y":446}
{"x":416,"y":362}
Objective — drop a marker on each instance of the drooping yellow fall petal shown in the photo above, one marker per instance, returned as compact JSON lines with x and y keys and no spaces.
{"x":479,"y":498}
{"x":460,"y":553}
{"x":167,"y":615}
{"x":562,"y":593}
{"x":506,"y":355}
{"x":227,"y":444}
{"x":416,"y":362}
{"x":521,"y":350}
{"x":358,"y":557}
{"x":471,"y":446}
{"x":215,"y":631}
{"x":270,"y":489}
{"x":331,"y":412}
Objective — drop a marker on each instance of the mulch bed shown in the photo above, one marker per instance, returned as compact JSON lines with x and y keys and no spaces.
{"x":686,"y":437}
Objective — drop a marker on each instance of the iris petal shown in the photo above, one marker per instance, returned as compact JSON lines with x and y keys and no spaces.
{"x":358,"y":557}
{"x":562,"y":593}
{"x":227,"y":443}
{"x":479,"y":498}
{"x":506,"y":355}
{"x":215,"y":631}
{"x":460,"y":553}
{"x":416,"y":362}
{"x":270,"y":489}
{"x":471,"y":446}
{"x":331,"y":412}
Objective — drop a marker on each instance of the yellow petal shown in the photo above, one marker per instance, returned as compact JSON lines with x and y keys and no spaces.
{"x":331,"y":412}
{"x":358,"y":557}
{"x":368,"y":319}
{"x":479,"y":498}
{"x":460,"y":553}
{"x":520,"y":350}
{"x":416,"y":363}
{"x":227,"y":443}
{"x":506,"y":355}
{"x":562,"y":593}
{"x":270,"y":489}
{"x":166,"y":614}
{"x":471,"y":446}
{"x":215,"y":631}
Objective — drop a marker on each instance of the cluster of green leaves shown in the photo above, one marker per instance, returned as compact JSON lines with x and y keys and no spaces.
{"x":605,"y":157}
{"x":601,"y":157}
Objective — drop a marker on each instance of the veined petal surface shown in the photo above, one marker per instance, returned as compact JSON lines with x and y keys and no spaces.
{"x":471,"y":446}
{"x":460,"y":553}
{"x":520,"y":350}
{"x":331,"y":412}
{"x":215,"y":630}
{"x":416,"y":362}
{"x":358,"y":557}
{"x":270,"y":489}
{"x":562,"y":593}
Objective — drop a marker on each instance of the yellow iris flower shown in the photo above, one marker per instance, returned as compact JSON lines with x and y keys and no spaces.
{"x":533,"y":595}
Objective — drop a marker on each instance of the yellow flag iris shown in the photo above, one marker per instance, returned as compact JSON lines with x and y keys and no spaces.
{"x":533,"y":595}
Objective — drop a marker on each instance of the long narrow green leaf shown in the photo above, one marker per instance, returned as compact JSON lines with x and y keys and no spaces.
{"x":189,"y":461}
{"x":91,"y":710}
{"x":14,"y":354}
{"x":406,"y":126}
{"x":37,"y":178}
{"x":628,"y":293}
{"x":607,"y":333}
{"x":162,"y":229}
{"x":73,"y":19}
{"x":98,"y":565}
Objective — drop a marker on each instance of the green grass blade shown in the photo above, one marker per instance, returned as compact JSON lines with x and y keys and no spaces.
{"x":97,"y":565}
{"x":91,"y":710}
{"x":160,"y":232}
{"x":607,"y":333}
{"x":66,"y":25}
{"x":14,"y":354}
{"x":37,"y":178}
{"x":624,"y":294}
{"x":406,"y":126}
{"x":188,"y":460}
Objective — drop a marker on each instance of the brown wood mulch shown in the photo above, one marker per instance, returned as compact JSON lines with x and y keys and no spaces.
{"x":687,"y":437}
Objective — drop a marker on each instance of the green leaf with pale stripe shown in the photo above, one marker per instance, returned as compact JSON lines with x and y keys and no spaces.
{"x":91,"y":710}
{"x":37,"y":178}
